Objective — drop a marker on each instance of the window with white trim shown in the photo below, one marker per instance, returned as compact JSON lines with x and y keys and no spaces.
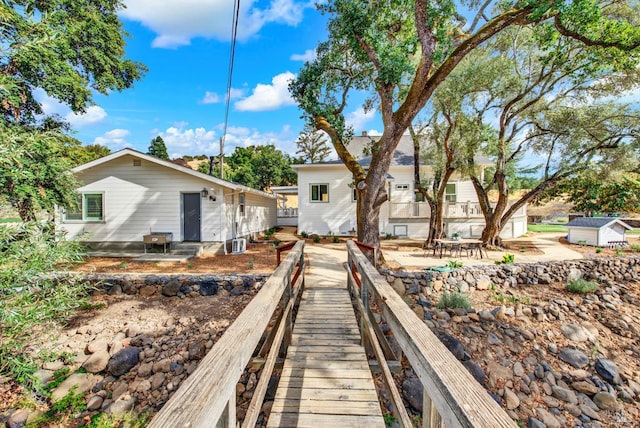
{"x":450,"y":192}
{"x":319,"y":193}
{"x":90,"y":207}
{"x":241,"y":204}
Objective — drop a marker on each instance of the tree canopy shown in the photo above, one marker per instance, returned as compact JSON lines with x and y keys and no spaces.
{"x":260,"y":167}
{"x":399,"y":52}
{"x":68,"y":48}
{"x":158,"y":149}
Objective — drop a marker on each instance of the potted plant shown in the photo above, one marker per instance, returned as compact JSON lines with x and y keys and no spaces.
{"x":456,"y":236}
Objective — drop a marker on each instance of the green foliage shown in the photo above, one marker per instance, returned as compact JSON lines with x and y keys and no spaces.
{"x":315,"y":238}
{"x":509,"y":299}
{"x":79,"y":154}
{"x":582,"y":286}
{"x":260,"y":167}
{"x":335,"y":240}
{"x":304,"y":234}
{"x":69,"y":48}
{"x":542,"y":228}
{"x":619,"y":251}
{"x":635,"y":247}
{"x":131,"y":420}
{"x":158,"y":149}
{"x":276,"y":242}
{"x":454,"y":300}
{"x":31,"y":299}
{"x":598,"y":250}
{"x":34,"y":171}
{"x":506,"y":259}
{"x":69,"y":405}
{"x":389,"y":419}
{"x":388,"y":236}
{"x":454,"y":264}
{"x":58,"y":377}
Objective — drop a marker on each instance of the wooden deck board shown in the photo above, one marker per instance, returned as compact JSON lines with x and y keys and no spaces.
{"x":326,"y":380}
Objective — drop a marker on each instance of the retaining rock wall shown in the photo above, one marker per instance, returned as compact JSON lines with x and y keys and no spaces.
{"x":465,"y":279}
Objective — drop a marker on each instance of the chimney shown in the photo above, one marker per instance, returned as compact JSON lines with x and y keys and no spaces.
{"x":364,"y":133}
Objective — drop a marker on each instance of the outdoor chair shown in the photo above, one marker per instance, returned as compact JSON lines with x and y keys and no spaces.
{"x":480,"y":248}
{"x":434,"y":246}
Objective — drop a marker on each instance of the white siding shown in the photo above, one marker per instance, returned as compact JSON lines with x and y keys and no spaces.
{"x":590,"y":236}
{"x":615,"y":232}
{"x":140,"y":199}
{"x":339,"y":214}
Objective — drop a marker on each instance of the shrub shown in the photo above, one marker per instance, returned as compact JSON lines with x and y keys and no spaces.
{"x":30,"y":298}
{"x":598,"y":250}
{"x":304,"y":234}
{"x":388,"y":236}
{"x":336,"y":239}
{"x":454,"y":264}
{"x":316,"y":238}
{"x":506,"y":259}
{"x":277,"y":242}
{"x":582,"y":286}
{"x":453,"y":301}
{"x":635,"y":247}
{"x":619,"y":251}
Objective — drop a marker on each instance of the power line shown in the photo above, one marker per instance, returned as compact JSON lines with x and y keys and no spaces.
{"x":234,"y":36}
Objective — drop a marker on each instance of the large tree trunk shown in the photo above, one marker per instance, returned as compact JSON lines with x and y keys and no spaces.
{"x":25,"y":210}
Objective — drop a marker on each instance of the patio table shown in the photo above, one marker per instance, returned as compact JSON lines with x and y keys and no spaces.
{"x":453,"y":244}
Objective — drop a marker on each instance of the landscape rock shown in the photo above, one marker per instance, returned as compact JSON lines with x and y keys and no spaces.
{"x":97,"y":362}
{"x":608,"y":370}
{"x":81,"y":381}
{"x":18,"y":419}
{"x":574,"y":357}
{"x":209,"y":287}
{"x":574,"y":332}
{"x":123,"y":361}
{"x":605,"y":401}
{"x":412,"y":392}
{"x":171,"y":288}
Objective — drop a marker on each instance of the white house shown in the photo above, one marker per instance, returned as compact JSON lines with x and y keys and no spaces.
{"x":129,"y":194}
{"x":326,"y":199}
{"x":597,"y":231}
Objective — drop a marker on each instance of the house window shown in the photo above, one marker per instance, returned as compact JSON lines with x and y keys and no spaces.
{"x":90,"y":207}
{"x":319,"y":193}
{"x":241,"y":204}
{"x":450,"y":193}
{"x":402,"y":187}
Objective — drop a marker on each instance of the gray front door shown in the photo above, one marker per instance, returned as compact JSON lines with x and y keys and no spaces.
{"x":191,"y":207}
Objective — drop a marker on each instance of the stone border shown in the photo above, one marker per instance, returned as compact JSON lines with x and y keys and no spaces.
{"x":481,"y":277}
{"x":170,"y":285}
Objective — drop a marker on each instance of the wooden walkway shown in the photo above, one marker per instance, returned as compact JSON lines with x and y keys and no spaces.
{"x":326,"y":380}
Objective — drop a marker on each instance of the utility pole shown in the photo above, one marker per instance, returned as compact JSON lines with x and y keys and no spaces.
{"x":221,"y":158}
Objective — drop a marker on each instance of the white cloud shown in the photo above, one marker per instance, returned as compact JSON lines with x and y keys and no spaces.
{"x":114,"y":139}
{"x":307,"y":56}
{"x":269,"y":97}
{"x":210,"y":98}
{"x":234,"y":93}
{"x":359,"y":118}
{"x":177,"y":22}
{"x":196,"y":141}
{"x":93,"y":115}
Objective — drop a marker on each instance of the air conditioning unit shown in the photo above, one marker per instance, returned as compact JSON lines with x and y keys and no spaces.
{"x":238,"y":246}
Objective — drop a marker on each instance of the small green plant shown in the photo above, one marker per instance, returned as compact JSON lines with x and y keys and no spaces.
{"x":131,"y":420}
{"x":389,"y":419}
{"x":454,"y":264}
{"x":619,"y":251}
{"x":598,"y":250}
{"x":304,"y":234}
{"x":635,"y":247}
{"x":189,"y":265}
{"x":250,"y":263}
{"x":582,"y":286}
{"x":454,"y":300}
{"x":122,"y":265}
{"x":70,"y":404}
{"x":509,"y":299}
{"x":508,"y":258}
{"x":388,"y":236}
{"x":155,"y":264}
{"x":582,"y":242}
{"x":335,"y":239}
{"x":58,"y":377}
{"x":316,"y":238}
{"x":277,"y":242}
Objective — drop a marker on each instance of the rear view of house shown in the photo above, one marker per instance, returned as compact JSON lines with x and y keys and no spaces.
{"x":128,"y":194}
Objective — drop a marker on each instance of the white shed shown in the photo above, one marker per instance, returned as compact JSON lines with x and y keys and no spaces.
{"x":597,"y":231}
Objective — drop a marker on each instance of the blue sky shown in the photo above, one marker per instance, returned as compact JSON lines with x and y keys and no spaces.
{"x":186,"y":47}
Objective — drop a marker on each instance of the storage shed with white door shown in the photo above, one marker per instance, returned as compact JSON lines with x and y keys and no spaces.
{"x":597,"y":231}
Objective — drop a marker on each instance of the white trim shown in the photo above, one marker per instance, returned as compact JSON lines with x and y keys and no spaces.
{"x":176,"y":167}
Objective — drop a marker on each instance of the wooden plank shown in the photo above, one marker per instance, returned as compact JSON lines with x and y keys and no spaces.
{"x":312,"y":382}
{"x":330,"y":407}
{"x":326,"y":373}
{"x":328,"y":356}
{"x":309,"y":420}
{"x":331,"y":337}
{"x":326,"y":394}
{"x":329,"y":364}
{"x":302,"y":341}
{"x":321,"y":348}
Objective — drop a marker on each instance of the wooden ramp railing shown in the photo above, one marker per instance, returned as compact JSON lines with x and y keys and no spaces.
{"x":451,"y":395}
{"x":207,"y":397}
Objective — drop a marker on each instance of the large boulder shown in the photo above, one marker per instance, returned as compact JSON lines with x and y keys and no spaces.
{"x":123,"y":361}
